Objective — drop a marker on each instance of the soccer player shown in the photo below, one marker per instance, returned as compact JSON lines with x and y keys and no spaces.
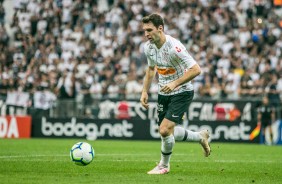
{"x":176,"y":68}
{"x":266,"y":116}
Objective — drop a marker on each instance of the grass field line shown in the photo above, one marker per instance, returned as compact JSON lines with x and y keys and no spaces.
{"x":43,"y":159}
{"x":107,"y":155}
{"x":200,"y":161}
{"x":63,"y":155}
{"x":175,"y":161}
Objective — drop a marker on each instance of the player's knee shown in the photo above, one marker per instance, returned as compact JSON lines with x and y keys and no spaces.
{"x":164,"y":131}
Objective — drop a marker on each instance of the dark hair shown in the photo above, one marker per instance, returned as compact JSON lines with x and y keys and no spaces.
{"x":155,"y":19}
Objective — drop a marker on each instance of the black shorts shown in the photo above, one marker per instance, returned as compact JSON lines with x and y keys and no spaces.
{"x":265,"y":123}
{"x":173,"y":107}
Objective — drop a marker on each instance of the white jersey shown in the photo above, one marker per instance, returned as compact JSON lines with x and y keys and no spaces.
{"x":171,"y":61}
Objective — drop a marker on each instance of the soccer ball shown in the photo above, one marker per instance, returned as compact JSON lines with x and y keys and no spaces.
{"x":82,"y":153}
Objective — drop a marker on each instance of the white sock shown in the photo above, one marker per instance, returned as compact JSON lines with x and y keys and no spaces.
{"x":181,"y":134}
{"x":166,"y":149}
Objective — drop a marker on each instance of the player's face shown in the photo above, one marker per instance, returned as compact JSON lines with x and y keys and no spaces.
{"x":151,"y":32}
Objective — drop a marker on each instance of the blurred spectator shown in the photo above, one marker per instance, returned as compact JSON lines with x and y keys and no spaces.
{"x":4,"y":37}
{"x":272,"y":90}
{"x":43,"y":99}
{"x":132,"y":87}
{"x":96,"y":90}
{"x":266,"y":116}
{"x":113,"y":90}
{"x":66,"y":86}
{"x":2,"y":14}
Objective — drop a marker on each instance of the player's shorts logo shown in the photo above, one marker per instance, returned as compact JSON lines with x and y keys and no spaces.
{"x":160,"y":107}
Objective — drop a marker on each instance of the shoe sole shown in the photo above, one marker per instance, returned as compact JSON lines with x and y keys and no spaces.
{"x":164,"y":171}
{"x":157,"y":173}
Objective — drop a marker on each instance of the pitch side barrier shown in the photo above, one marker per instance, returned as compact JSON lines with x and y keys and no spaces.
{"x":15,"y":127}
{"x":228,"y":121}
{"x":133,"y":129}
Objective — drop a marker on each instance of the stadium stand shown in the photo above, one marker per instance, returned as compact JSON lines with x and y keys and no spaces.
{"x":86,"y":49}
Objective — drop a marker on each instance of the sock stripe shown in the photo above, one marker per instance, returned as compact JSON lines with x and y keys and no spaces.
{"x":185,"y":136}
{"x":166,"y":153}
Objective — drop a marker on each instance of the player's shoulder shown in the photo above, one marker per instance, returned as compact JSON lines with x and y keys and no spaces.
{"x":174,"y":44}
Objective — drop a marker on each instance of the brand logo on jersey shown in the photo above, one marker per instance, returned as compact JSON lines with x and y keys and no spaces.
{"x":152,"y":50}
{"x":178,"y":49}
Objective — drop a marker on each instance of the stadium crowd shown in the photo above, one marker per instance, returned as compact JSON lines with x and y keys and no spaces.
{"x":94,"y":49}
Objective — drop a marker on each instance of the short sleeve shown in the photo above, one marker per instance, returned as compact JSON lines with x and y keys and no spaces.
{"x":182,"y":55}
{"x":150,"y":53}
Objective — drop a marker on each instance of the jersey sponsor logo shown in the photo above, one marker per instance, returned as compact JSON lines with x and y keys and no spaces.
{"x":166,"y":71}
{"x":178,"y":49}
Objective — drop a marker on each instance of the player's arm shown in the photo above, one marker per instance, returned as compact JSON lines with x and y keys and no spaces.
{"x":150,"y":73}
{"x":186,"y":61}
{"x":259,"y":117}
{"x":189,"y":75}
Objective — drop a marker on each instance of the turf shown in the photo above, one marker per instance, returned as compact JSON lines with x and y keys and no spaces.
{"x":47,"y":161}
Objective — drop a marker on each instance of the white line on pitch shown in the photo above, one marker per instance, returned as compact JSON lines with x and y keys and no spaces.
{"x":175,"y":161}
{"x":10,"y":158}
{"x":64,"y":155}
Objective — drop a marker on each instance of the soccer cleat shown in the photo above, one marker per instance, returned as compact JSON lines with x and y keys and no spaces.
{"x":160,"y":169}
{"x":204,"y":142}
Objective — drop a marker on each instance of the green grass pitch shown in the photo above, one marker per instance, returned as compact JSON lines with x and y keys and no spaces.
{"x":47,"y":161}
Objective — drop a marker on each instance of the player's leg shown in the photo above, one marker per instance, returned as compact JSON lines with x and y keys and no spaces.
{"x":178,"y":106}
{"x":166,"y":129}
{"x":181,"y":134}
{"x":271,"y":134}
{"x":264,"y":125}
{"x":167,"y":142}
{"x":268,"y":128}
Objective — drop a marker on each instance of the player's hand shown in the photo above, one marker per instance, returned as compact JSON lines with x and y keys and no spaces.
{"x":168,"y":88}
{"x":144,"y":100}
{"x":258,"y":123}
